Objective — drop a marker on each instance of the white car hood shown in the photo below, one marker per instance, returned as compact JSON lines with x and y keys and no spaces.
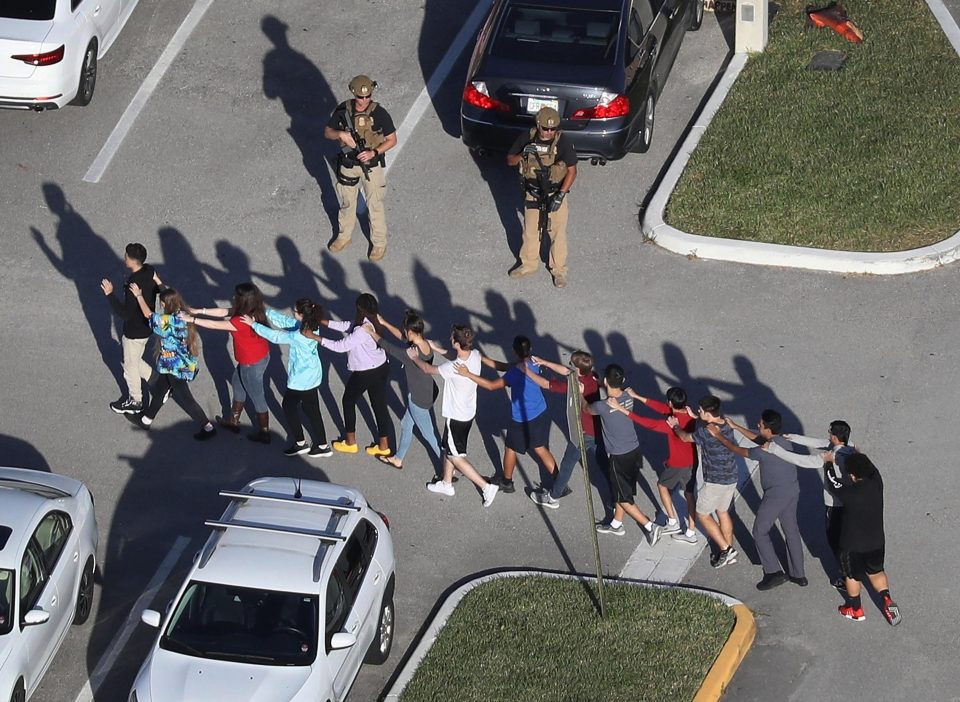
{"x":178,"y":678}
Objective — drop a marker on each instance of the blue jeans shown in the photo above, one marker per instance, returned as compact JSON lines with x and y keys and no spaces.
{"x":422,"y":418}
{"x":249,"y":379}
{"x":569,"y":461}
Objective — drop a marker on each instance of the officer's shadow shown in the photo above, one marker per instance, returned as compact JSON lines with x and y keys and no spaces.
{"x":292,"y":78}
{"x":505,"y":187}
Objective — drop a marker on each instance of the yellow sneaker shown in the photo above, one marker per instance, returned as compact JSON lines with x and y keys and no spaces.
{"x":375,"y":450}
{"x":344,"y":447}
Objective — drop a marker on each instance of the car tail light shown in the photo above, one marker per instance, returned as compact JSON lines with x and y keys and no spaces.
{"x":384,"y":518}
{"x":46,"y":59}
{"x":476,"y":94}
{"x":611,"y":105}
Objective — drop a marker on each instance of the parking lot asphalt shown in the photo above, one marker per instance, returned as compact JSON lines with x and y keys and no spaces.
{"x":223,"y":179}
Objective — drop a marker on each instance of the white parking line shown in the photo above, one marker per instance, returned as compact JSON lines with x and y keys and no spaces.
{"x":439,"y":75}
{"x":118,"y":643}
{"x":119,"y":133}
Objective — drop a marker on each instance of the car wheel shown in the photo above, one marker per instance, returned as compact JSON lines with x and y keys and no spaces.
{"x":19,"y":692}
{"x":696,"y":17}
{"x":84,"y":595}
{"x":382,"y":643}
{"x":88,"y":76}
{"x":645,"y":135}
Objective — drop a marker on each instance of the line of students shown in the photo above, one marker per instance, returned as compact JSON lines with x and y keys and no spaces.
{"x":854,"y":532}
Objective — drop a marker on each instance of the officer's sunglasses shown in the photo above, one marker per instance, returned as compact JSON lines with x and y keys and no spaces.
{"x":548,"y":129}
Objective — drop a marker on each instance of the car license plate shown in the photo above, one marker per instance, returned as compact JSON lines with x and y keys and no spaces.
{"x":534,"y":105}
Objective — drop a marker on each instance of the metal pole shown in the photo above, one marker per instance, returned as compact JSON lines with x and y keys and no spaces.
{"x":575,"y":427}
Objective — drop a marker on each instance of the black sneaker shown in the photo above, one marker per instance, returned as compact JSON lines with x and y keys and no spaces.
{"x":504,"y":484}
{"x":126,"y":406}
{"x":296,"y":449}
{"x":437,"y":479}
{"x":318,"y":451}
{"x":566,"y":491}
{"x":714,"y":557}
{"x":801,"y":581}
{"x":726,"y":557}
{"x":772,"y":580}
{"x":205,"y":434}
{"x":841,"y":585}
{"x":137,"y":421}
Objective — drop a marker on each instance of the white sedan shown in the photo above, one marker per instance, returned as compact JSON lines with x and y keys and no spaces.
{"x":48,"y":546}
{"x":49,"y":49}
{"x":292,"y":592}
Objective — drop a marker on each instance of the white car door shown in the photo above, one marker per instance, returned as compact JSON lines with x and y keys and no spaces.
{"x":37,"y":590}
{"x":104,"y":14}
{"x":362,"y":582}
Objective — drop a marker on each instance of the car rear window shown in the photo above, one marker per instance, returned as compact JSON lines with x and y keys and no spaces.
{"x":557,"y":35}
{"x":28,"y":9}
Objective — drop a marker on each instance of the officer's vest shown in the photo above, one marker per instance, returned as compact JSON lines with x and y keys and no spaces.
{"x":529,"y":165}
{"x":363,"y":124}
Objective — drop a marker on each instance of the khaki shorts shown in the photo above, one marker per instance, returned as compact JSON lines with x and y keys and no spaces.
{"x":714,"y":497}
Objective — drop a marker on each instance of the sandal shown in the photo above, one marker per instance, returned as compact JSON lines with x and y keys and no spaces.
{"x":389,"y":460}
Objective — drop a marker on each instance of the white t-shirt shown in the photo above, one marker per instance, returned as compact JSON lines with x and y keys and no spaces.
{"x":459,"y":393}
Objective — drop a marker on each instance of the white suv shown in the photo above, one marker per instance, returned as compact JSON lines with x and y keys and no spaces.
{"x":48,"y":551}
{"x":291,"y":593}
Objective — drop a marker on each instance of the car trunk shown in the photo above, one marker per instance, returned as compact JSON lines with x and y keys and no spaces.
{"x":18,"y":37}
{"x":527,"y":86}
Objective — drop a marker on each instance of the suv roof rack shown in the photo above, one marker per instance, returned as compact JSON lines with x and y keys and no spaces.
{"x":334,"y":505}
{"x":332,"y":536}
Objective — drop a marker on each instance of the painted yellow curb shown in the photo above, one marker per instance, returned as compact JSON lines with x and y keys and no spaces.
{"x":730,"y":656}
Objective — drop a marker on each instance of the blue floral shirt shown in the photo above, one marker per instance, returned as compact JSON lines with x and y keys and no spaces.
{"x":175,"y":358}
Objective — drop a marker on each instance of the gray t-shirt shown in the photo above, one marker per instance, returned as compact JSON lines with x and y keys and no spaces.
{"x":423,"y":390}
{"x":619,"y":434}
{"x":774,"y":471}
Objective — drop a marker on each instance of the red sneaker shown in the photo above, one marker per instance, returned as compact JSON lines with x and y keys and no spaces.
{"x":891,"y":611}
{"x":849,"y":612}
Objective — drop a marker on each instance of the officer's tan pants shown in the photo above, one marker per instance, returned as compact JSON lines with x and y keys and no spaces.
{"x":374,"y":191}
{"x":557,"y":228}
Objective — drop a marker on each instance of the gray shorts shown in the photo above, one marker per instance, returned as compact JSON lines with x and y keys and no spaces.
{"x":714,"y":497}
{"x":673,"y":478}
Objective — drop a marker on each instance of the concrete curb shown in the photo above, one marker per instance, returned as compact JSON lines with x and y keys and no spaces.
{"x":730,"y":656}
{"x":715,"y":682}
{"x":656,"y":230}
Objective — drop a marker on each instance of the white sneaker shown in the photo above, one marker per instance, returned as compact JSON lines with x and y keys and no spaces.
{"x":442,"y":487}
{"x":489,"y":493}
{"x":653,"y":536}
{"x":669,"y":528}
{"x":684,"y":537}
{"x":543,"y":498}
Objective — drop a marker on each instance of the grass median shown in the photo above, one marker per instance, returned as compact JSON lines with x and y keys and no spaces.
{"x":539,"y":638}
{"x":864,"y":158}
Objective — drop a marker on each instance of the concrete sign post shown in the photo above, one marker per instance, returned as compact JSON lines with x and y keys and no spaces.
{"x":752,"y":22}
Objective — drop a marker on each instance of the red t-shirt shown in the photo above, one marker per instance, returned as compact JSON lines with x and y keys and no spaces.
{"x":248,"y":346}
{"x":679,"y":452}
{"x":591,"y":393}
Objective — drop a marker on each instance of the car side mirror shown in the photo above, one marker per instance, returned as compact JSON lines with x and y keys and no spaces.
{"x":151,"y":618}
{"x":36,"y":616}
{"x":342,"y":640}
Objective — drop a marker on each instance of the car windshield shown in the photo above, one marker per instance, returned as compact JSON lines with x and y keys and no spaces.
{"x":557,"y":35}
{"x":245,"y":625}
{"x":6,"y":601}
{"x":28,"y":9}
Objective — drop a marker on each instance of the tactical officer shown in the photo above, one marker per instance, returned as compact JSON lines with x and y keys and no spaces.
{"x":365,"y":132}
{"x":548,"y":167}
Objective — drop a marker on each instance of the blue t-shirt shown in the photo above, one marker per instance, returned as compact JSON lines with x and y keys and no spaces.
{"x":526,"y":397}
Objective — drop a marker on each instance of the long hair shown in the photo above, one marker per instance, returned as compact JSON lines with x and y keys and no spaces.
{"x":247,"y":299}
{"x":368,"y":308}
{"x":312,"y":314}
{"x":173,"y":304}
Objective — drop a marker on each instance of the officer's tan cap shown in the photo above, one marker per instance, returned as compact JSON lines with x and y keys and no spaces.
{"x":361,"y":86}
{"x":548,"y":117}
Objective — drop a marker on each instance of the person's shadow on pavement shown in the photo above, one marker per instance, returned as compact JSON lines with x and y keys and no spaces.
{"x":86,"y":258}
{"x":292,"y":78}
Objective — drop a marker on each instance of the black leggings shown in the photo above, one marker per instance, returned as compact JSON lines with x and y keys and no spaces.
{"x":180,"y":389}
{"x":310,"y":401}
{"x":374,"y":383}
